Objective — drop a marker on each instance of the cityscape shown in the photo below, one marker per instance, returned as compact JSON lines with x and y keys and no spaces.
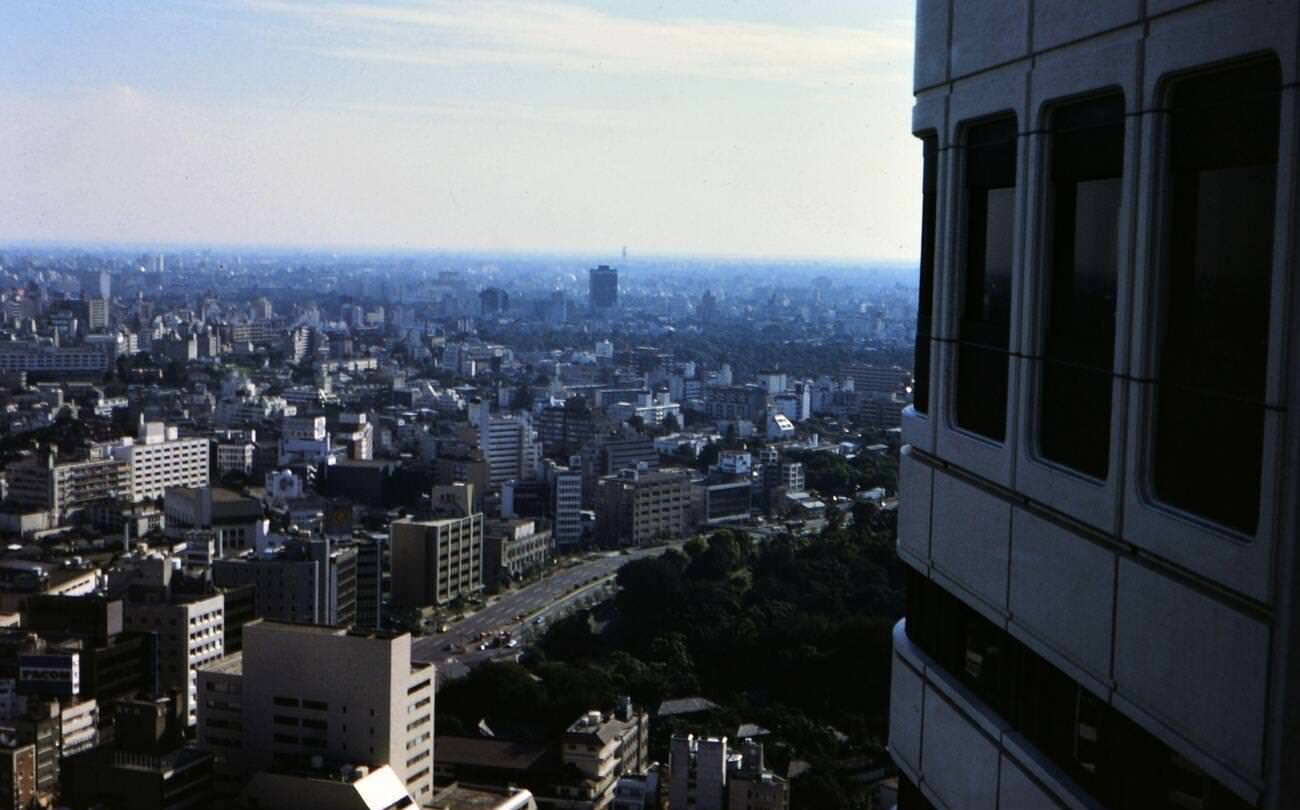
{"x":298,"y":514}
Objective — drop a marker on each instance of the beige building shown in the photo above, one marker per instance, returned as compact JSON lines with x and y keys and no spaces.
{"x":300,"y":692}
{"x":435,"y":561}
{"x":637,"y":508}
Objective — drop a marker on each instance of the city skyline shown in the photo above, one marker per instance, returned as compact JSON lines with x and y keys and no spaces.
{"x":712,"y":128}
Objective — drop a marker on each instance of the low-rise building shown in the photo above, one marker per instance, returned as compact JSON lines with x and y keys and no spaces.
{"x":515,"y":548}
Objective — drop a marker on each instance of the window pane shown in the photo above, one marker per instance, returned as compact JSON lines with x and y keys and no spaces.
{"x":984,"y":330}
{"x":1223,"y":141}
{"x":925,"y":300}
{"x":1087,"y":160}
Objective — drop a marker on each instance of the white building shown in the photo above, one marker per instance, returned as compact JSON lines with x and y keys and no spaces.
{"x":160,"y":458}
{"x":510,"y":446}
{"x":1097,"y":488}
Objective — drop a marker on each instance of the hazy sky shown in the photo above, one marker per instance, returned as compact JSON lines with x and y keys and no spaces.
{"x":723,"y":127}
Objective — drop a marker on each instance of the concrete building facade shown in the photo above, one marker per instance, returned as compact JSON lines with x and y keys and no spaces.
{"x":1095,"y":488}
{"x":373,"y":706}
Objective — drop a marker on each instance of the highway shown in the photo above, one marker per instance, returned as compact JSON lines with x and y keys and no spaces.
{"x":518,"y":611}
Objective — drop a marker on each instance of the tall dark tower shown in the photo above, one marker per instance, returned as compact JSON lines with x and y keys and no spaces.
{"x":604,"y":287}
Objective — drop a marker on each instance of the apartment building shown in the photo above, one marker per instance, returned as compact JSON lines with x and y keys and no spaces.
{"x":637,"y":508}
{"x":43,"y":482}
{"x":436,"y":561}
{"x":159,"y":458}
{"x":191,"y":634}
{"x":275,"y":706}
{"x":1096,"y":489}
{"x":602,"y":746}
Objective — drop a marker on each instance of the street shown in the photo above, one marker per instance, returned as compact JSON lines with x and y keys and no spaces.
{"x":547,"y":599}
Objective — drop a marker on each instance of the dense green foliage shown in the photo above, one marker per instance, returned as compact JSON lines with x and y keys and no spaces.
{"x":830,"y":474}
{"x":793,"y":635}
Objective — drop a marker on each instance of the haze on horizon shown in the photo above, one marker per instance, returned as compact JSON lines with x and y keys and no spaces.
{"x":711,"y":127}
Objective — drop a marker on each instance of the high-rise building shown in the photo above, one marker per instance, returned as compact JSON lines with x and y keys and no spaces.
{"x":302,"y":692}
{"x":1096,"y":488}
{"x":603,"y":286}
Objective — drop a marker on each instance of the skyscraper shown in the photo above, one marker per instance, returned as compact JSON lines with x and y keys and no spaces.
{"x":603,"y":286}
{"x":1102,"y":601}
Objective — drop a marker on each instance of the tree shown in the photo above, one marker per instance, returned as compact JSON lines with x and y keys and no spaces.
{"x":636,"y":422}
{"x":671,"y":424}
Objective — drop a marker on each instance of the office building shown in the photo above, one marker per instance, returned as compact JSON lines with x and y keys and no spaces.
{"x":1097,"y":488}
{"x":308,"y":580}
{"x":566,"y":488}
{"x":436,"y":561}
{"x":300,"y":692}
{"x":639,"y":508}
{"x":603,"y":286}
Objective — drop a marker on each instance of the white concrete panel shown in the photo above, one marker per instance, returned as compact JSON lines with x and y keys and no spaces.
{"x":1217,"y":32}
{"x":971,"y":537}
{"x":915,"y":493}
{"x":965,"y":762}
{"x":918,"y":428}
{"x":1059,"y":21}
{"x":931,"y":66}
{"x":1016,"y":791}
{"x":1062,"y":590}
{"x":1194,"y":663}
{"x":988,"y":34}
{"x":905,"y":692}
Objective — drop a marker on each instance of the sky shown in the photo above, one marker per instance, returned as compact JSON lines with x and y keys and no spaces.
{"x":761,"y":128}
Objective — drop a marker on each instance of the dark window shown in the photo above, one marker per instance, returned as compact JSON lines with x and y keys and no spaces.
{"x":984,"y":331}
{"x":1223,"y":148}
{"x":910,"y":796}
{"x":925,"y":298}
{"x":1087,"y":161}
{"x":1111,"y":757}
